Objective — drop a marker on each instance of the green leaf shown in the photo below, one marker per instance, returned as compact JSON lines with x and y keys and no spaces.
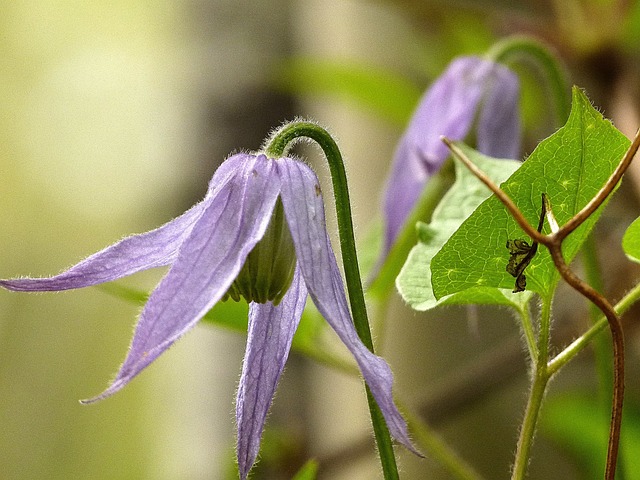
{"x":385,"y":93}
{"x":466,"y":193}
{"x":570,"y":167}
{"x":309,"y":471}
{"x":631,"y":241}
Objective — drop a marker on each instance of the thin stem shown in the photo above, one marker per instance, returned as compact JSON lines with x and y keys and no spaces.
{"x":522,"y":47}
{"x":536,"y":395}
{"x":544,"y":336}
{"x":527,"y":433}
{"x":277,"y":146}
{"x":583,"y":340}
{"x":617,"y":337}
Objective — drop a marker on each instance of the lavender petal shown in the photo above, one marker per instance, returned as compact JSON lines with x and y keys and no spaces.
{"x":271,"y":330}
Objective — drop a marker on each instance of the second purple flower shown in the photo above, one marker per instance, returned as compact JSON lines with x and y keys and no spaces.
{"x":471,"y":91}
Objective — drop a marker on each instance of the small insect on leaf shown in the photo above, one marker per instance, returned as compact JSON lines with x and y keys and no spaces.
{"x":518,"y":249}
{"x":521,"y":254}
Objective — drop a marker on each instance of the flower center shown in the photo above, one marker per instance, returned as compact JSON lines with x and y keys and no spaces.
{"x":268,"y":270}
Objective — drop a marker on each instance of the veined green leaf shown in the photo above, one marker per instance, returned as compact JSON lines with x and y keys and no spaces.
{"x":570,"y":167}
{"x":466,"y":193}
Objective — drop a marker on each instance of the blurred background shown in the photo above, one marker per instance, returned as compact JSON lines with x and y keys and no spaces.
{"x":114,"y":117}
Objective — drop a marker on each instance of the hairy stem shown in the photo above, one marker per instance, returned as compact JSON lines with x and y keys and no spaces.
{"x":527,"y":432}
{"x":279,"y":143}
{"x":536,"y":395}
{"x":529,"y":335}
{"x":617,"y":337}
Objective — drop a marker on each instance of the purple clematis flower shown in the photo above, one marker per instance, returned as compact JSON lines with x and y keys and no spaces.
{"x":253,"y":205}
{"x":450,"y":108}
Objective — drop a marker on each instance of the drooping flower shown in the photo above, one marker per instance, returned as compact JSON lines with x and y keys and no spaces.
{"x":471,"y":90}
{"x":259,"y":233}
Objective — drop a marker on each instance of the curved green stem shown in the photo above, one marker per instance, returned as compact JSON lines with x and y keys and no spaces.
{"x":517,"y":47}
{"x":277,"y":146}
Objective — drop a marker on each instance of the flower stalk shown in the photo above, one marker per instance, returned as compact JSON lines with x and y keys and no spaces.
{"x":278,"y":145}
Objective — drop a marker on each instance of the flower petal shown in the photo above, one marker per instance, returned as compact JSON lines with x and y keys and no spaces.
{"x":448,"y":108}
{"x":155,"y":248}
{"x":303,"y":207}
{"x":498,"y":131}
{"x":271,"y":330}
{"x":208,"y":262}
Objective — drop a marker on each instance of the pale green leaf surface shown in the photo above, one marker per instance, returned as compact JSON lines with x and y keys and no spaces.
{"x":466,"y":193}
{"x":570,"y":167}
{"x":631,"y":241}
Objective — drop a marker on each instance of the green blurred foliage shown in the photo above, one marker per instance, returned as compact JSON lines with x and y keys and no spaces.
{"x":579,"y":426}
{"x":390,"y":96}
{"x":631,"y":241}
{"x":87,"y":140}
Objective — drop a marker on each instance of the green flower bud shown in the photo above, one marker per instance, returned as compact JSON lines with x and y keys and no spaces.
{"x":268,"y":270}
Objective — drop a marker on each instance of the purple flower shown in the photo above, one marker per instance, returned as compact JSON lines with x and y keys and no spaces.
{"x":449,"y":108}
{"x":250,"y":199}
